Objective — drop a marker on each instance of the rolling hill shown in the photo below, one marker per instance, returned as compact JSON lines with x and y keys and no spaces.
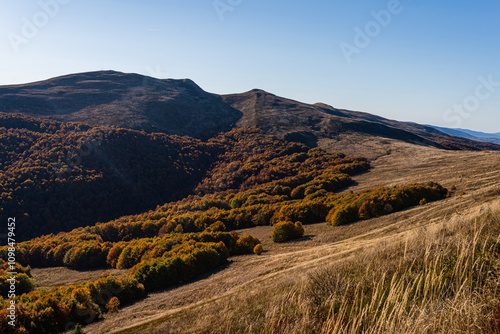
{"x":325,"y":126}
{"x":133,"y":101}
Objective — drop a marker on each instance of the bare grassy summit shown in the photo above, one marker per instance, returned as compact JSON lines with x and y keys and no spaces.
{"x":348,"y":131}
{"x":132,"y":101}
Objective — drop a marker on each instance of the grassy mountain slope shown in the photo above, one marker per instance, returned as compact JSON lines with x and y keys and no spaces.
{"x":320,"y":124}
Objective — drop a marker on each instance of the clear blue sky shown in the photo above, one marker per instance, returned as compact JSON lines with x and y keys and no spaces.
{"x":427,"y":59}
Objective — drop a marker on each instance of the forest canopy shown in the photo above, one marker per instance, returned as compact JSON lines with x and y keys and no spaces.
{"x":164,"y":207}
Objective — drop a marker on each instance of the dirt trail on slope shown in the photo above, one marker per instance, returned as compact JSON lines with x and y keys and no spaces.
{"x":474,"y":173}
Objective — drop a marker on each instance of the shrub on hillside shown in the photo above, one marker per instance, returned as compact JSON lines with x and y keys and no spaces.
{"x":307,"y":212}
{"x":285,"y":231}
{"x":90,"y":255}
{"x":218,"y":226}
{"x":78,"y":330}
{"x":343,"y":215}
{"x":258,"y":249}
{"x":382,"y":201}
{"x":112,"y":305}
{"x":246,"y":244}
{"x":24,"y":284}
{"x":181,"y":266}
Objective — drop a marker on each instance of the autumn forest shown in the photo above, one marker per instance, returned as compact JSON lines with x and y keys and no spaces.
{"x":166,"y":208}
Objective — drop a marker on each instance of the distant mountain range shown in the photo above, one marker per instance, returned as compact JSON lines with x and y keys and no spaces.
{"x":181,"y":107}
{"x":474,"y":135}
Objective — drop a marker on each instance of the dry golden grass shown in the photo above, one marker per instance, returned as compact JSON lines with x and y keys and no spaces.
{"x":437,"y":281}
{"x":62,"y":276}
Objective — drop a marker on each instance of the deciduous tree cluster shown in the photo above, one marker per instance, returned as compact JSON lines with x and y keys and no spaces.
{"x":56,"y":176}
{"x":48,"y":311}
{"x":381,"y":201}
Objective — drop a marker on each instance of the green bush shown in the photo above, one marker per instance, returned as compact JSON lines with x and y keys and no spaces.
{"x":258,"y":249}
{"x":78,"y":330}
{"x":382,"y":201}
{"x":285,"y":231}
{"x":190,"y":261}
{"x":343,"y":215}
{"x":246,"y":244}
{"x":24,"y":284}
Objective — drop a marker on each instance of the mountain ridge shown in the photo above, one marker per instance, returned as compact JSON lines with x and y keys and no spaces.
{"x":123,"y":100}
{"x":324,"y":125}
{"x":181,"y":107}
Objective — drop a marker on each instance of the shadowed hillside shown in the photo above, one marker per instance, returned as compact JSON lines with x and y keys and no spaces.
{"x":313,"y":124}
{"x":56,"y":176}
{"x":124,"y":100}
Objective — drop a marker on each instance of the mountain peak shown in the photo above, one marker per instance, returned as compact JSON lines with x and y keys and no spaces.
{"x":257,"y":92}
{"x":125,"y":100}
